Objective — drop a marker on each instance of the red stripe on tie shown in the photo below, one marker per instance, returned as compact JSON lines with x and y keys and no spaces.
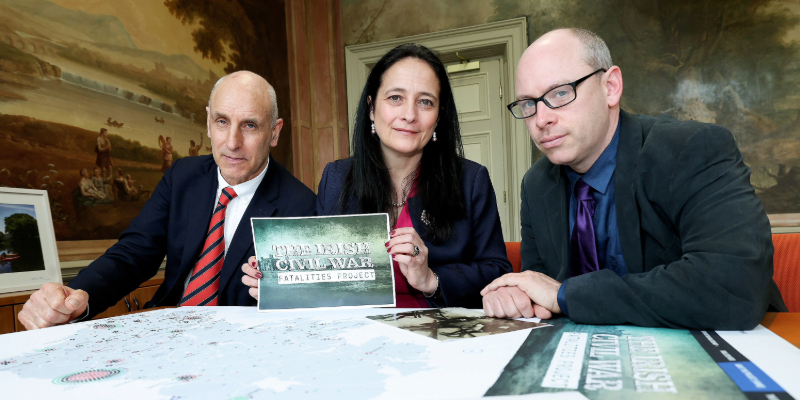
{"x":198,"y":281}
{"x":211,"y":290}
{"x":213,"y":247}
{"x":212,"y":254}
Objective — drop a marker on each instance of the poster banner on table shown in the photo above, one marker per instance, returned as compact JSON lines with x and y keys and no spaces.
{"x":320,"y":262}
{"x":628,"y":362}
{"x":452,"y":323}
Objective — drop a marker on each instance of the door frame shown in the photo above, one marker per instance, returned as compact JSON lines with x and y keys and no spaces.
{"x":507,"y":39}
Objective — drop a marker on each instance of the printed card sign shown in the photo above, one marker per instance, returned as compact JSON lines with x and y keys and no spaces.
{"x":318,"y":262}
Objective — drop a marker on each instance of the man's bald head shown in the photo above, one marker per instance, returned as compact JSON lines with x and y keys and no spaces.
{"x":243,"y":125}
{"x":256,"y":83}
{"x":576,"y":133}
{"x":594,"y":50}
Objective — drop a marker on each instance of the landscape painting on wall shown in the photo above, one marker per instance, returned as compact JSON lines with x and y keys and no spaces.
{"x":98,"y":98}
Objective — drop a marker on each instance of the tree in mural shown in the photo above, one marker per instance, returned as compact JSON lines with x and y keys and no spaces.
{"x":245,"y":35}
{"x":724,"y":62}
{"x":233,"y":32}
{"x":729,"y":63}
{"x":736,"y":47}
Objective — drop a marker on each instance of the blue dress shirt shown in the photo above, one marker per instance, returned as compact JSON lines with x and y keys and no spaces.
{"x":601,"y":178}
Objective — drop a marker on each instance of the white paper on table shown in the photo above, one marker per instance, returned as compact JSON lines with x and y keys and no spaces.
{"x":772,"y":354}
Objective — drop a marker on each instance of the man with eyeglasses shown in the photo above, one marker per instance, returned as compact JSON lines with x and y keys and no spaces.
{"x":629,"y":219}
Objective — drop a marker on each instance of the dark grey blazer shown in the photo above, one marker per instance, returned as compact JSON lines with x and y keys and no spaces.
{"x":694,"y":235}
{"x":174,"y":222}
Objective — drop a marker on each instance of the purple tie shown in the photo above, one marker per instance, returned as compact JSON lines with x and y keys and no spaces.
{"x":583,"y":250}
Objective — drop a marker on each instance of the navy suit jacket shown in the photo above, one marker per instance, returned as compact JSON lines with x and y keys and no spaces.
{"x":470,"y":259}
{"x":694,"y":235}
{"x":173,"y":222}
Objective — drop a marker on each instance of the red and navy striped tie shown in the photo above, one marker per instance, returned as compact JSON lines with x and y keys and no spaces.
{"x":203,"y":288}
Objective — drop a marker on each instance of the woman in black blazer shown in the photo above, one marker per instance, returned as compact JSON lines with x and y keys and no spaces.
{"x":408,"y":162}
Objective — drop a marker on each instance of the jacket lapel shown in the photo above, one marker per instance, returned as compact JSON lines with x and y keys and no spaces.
{"x":630,"y":143}
{"x":242,"y":241}
{"x":200,"y":208}
{"x":555,"y":204}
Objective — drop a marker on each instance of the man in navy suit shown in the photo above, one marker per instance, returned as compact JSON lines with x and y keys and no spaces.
{"x":629,"y":219}
{"x":242,"y":124}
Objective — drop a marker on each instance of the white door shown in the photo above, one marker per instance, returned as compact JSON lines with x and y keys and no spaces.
{"x":480,"y":106}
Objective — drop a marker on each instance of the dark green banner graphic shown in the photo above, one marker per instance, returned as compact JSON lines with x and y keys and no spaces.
{"x":314,"y":262}
{"x":628,"y":362}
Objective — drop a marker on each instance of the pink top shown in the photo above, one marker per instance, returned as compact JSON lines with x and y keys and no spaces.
{"x":407,"y":296}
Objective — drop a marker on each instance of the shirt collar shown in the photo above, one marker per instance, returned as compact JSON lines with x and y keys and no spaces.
{"x":599,"y":174}
{"x":244,"y":189}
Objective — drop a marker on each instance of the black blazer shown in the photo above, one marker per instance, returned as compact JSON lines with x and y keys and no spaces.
{"x":174,"y":222}
{"x":470,"y":259}
{"x":694,"y":235}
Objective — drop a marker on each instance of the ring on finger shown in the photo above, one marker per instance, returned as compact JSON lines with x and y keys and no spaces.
{"x":416,"y":251}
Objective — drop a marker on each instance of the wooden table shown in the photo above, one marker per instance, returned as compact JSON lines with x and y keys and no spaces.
{"x":785,"y":325}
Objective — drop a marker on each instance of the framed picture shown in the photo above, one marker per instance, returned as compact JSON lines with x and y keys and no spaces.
{"x":28,"y":255}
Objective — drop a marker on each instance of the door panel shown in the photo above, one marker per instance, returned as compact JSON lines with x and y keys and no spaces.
{"x":471,"y":98}
{"x":480,"y":108}
{"x":477,"y":147}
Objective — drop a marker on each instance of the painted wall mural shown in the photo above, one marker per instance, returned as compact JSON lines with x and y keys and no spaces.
{"x":99,"y":97}
{"x":734,"y":63}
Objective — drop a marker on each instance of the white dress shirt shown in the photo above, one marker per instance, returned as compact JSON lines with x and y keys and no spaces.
{"x":235,"y":209}
{"x":237,"y":206}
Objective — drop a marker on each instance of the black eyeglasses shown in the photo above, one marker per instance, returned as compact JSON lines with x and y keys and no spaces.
{"x":556,"y":97}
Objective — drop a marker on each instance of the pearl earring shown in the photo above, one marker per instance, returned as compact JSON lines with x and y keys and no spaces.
{"x":373,"y":128}
{"x":434,"y":136}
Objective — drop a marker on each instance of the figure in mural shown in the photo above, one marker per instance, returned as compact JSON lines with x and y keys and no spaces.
{"x":101,"y":182}
{"x":133,"y":191}
{"x":103,"y":150}
{"x":114,"y":123}
{"x":195,"y":150}
{"x":87,"y":193}
{"x":123,"y":190}
{"x":166,"y":152}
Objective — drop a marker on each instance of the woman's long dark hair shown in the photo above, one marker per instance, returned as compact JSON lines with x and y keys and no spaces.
{"x":439,"y":180}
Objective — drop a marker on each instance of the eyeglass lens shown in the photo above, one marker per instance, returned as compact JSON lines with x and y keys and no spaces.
{"x":557,"y":97}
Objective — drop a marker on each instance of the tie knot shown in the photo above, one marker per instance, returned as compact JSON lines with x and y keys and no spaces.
{"x":583,"y":191}
{"x":227,"y":195}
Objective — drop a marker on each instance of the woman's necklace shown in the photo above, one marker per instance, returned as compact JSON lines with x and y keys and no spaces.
{"x":406,"y":190}
{"x":407,"y":183}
